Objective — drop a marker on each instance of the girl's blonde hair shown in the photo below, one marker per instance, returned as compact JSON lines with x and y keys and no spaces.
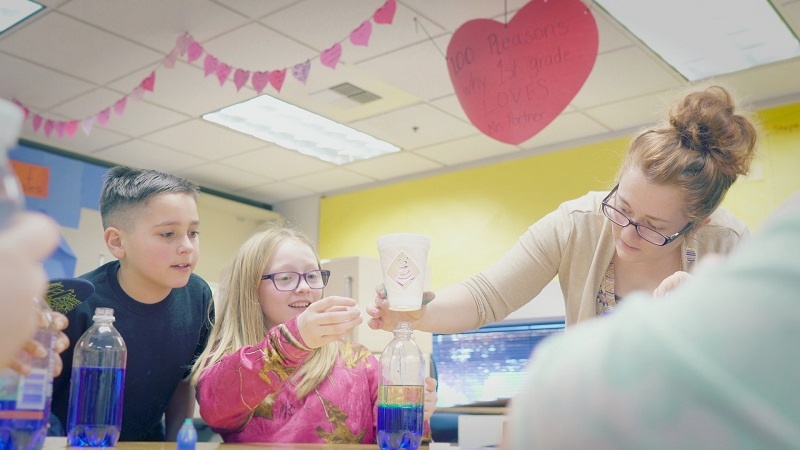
{"x":240,"y":320}
{"x":702,"y":148}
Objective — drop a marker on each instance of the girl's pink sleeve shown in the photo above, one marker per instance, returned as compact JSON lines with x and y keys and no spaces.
{"x":229,"y":391}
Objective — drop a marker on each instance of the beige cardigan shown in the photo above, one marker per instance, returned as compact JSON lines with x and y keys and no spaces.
{"x":575,"y":243}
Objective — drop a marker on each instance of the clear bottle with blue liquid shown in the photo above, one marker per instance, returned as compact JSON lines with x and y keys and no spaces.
{"x":24,"y":399}
{"x":401,"y":392}
{"x":187,"y":436}
{"x":94,"y":418}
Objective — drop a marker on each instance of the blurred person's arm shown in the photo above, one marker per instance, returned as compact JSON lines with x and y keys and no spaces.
{"x":180,"y":407}
{"x":24,"y":244}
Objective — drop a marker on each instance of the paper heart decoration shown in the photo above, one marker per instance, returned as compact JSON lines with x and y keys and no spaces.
{"x":169,"y":60}
{"x":37,"y":122}
{"x":60,"y":129}
{"x":48,"y":127}
{"x":103,"y":116}
{"x":138,"y":94}
{"x":240,"y":78}
{"x":385,"y":14}
{"x":149,"y":83}
{"x":119,"y":106}
{"x":71,"y":128}
{"x":360,"y":36}
{"x":276,"y":78}
{"x":513,"y":80}
{"x":330,"y":57}
{"x":223,"y":70}
{"x":210,"y":65}
{"x":87,"y":124}
{"x":260,"y":80}
{"x":25,"y":109}
{"x":300,"y":71}
{"x":194,"y":51}
{"x":182,"y":43}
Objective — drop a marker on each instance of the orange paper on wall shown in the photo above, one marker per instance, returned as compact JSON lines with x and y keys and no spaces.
{"x":35,"y":180}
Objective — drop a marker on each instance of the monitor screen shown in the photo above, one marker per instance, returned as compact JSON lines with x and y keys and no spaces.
{"x":488,"y":364}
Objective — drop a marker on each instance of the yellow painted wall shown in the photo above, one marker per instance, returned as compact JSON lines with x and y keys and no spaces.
{"x":474,"y":216}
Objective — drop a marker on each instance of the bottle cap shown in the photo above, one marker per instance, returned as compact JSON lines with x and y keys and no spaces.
{"x":11,"y":117}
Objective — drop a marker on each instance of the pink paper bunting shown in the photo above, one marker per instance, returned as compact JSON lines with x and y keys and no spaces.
{"x":330,"y":57}
{"x":260,"y":80}
{"x":71,"y":128}
{"x":182,"y":44}
{"x":149,"y":83}
{"x":240,"y":78}
{"x":360,"y":36}
{"x":138,"y":94}
{"x":276,"y":78}
{"x":25,"y":109}
{"x":37,"y":122}
{"x":194,"y":51}
{"x":385,"y":14}
{"x":119,"y":106}
{"x":103,"y":116}
{"x":169,"y":60}
{"x":48,"y":127}
{"x":60,"y":129}
{"x":210,"y":65}
{"x":87,"y":124}
{"x":300,"y":71}
{"x":223,"y":71}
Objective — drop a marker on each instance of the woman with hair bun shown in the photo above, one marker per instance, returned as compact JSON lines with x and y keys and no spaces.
{"x":644,"y":234}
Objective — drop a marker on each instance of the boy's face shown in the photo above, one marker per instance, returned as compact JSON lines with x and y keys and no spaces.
{"x":280,"y":306}
{"x":161,"y":246}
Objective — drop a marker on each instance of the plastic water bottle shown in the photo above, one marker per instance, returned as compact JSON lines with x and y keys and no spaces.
{"x":187,"y":436}
{"x":94,"y":418}
{"x":24,"y":400}
{"x":401,"y":392}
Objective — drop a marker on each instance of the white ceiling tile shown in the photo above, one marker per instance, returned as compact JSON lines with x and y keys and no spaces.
{"x":276,"y":162}
{"x":204,"y":139}
{"x":81,"y":143}
{"x":472,"y":148}
{"x":255,"y":47}
{"x":451,"y":14}
{"x":631,"y":113}
{"x":622,"y":74}
{"x":612,"y":35}
{"x":256,"y":9}
{"x":420,"y":69}
{"x":148,"y":156}
{"x":393,"y":165}
{"x":451,"y":105}
{"x":156,"y":23}
{"x":274,"y":192}
{"x":414,"y":127}
{"x":36,"y":86}
{"x":750,"y":85}
{"x":70,"y":46}
{"x":222,"y":178}
{"x":330,"y":180}
{"x":566,"y":128}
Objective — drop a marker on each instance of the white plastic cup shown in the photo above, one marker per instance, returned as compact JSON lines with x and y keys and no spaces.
{"x":404,"y":258}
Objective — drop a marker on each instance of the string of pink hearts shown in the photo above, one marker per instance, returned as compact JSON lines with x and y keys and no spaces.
{"x":193,"y":50}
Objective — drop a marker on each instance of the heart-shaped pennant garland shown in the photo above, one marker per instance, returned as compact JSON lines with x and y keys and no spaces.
{"x":48,"y":127}
{"x":240,"y":78}
{"x":330,"y":57}
{"x":300,"y":71}
{"x":513,"y":80}
{"x":194,"y":51}
{"x":149,"y":83}
{"x":210,"y":65}
{"x":360,"y":36}
{"x":223,"y":71}
{"x":119,"y":106}
{"x":260,"y":80}
{"x":37,"y":122}
{"x":385,"y":14}
{"x":276,"y":78}
{"x":71,"y":128}
{"x":103,"y":116}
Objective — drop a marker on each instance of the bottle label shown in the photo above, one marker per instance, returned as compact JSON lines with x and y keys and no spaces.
{"x":23,"y":398}
{"x":33,"y":390}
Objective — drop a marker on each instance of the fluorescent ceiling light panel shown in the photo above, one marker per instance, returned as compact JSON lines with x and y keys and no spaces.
{"x":13,"y":12}
{"x":705,"y":38}
{"x":289,"y":126}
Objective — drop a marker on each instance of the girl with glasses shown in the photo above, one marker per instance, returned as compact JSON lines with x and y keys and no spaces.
{"x":276,"y":368}
{"x":644,"y":235}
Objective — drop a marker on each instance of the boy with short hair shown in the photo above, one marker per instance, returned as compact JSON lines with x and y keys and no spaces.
{"x":163,"y":311}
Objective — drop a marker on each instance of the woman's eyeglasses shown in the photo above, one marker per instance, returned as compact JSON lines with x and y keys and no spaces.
{"x":289,"y":281}
{"x":648,"y":234}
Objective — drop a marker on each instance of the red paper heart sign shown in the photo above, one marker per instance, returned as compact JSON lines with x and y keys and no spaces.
{"x":514,"y":80}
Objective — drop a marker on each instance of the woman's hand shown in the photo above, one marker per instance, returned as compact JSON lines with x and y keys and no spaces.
{"x":328,"y":320}
{"x":431,"y":398}
{"x":382,"y":318}
{"x":671,"y":282}
{"x":34,"y":349}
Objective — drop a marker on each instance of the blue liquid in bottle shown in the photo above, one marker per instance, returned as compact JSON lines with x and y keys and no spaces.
{"x":95,"y":406}
{"x":400,"y":426}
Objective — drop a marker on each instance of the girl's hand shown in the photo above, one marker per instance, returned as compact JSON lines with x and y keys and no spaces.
{"x":35,"y":350}
{"x":328,"y":320}
{"x":382,"y":318}
{"x":430,"y":398}
{"x":671,"y":282}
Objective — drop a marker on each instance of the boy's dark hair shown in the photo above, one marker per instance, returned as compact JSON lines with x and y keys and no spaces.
{"x":126,"y":188}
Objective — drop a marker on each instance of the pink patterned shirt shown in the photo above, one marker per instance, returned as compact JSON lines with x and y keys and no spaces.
{"x":341,"y":410}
